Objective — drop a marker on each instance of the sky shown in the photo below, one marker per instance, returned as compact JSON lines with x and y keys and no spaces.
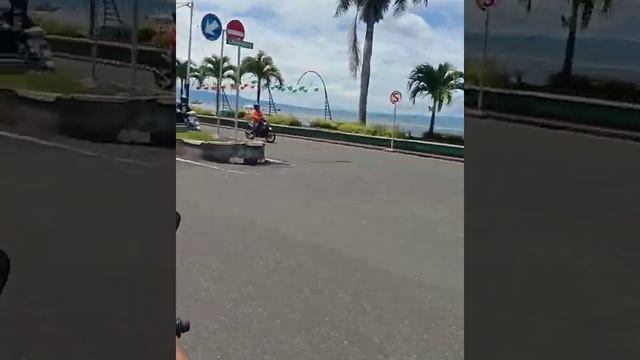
{"x":304,"y":35}
{"x":511,"y":18}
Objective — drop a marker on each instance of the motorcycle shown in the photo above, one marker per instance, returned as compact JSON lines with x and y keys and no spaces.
{"x":263,"y":130}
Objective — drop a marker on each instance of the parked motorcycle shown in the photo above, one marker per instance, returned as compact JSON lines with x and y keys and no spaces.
{"x":263,"y":130}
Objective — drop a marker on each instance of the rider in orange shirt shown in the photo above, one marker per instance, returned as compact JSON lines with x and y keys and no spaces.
{"x":256,"y":117}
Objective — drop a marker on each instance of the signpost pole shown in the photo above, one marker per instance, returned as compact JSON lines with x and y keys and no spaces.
{"x":189,"y":50}
{"x":484,"y":57}
{"x":220,"y":65}
{"x":393,"y":129}
{"x":237,"y":92}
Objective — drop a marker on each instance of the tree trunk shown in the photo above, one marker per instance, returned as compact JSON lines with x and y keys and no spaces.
{"x":365,"y":74}
{"x":181,"y":87}
{"x":571,"y":41}
{"x":259,"y":90}
{"x":218,"y":85}
{"x":433,"y":118}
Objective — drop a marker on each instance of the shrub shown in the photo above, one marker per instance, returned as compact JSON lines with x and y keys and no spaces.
{"x":242,"y":114}
{"x":52,"y":27}
{"x":493,"y":75}
{"x":443,"y":138}
{"x":202,"y":111}
{"x":324,"y":124}
{"x":146,"y":35}
{"x":288,"y":120}
{"x":354,"y":128}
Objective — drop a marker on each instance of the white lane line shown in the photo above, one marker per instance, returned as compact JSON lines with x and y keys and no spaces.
{"x":208,"y":166}
{"x":279,"y":162}
{"x":67,"y":147}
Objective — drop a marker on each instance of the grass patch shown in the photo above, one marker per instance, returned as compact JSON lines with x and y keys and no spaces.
{"x":357,"y":128}
{"x":288,"y":120}
{"x":201,"y":111}
{"x":47,"y":82}
{"x":195,"y":135}
{"x":324,"y":124}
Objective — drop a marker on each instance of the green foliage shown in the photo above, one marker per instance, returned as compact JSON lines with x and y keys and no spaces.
{"x":195,"y":135}
{"x":324,"y":124}
{"x":47,"y":82}
{"x":288,"y":120}
{"x":242,"y":114}
{"x":263,"y":69}
{"x":202,"y":111}
{"x":493,"y":75}
{"x":146,"y":35}
{"x":53,"y":27}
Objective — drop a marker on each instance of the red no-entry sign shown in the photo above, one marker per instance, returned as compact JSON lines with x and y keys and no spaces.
{"x":235,"y":30}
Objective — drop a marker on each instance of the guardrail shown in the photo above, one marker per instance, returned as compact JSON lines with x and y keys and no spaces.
{"x":107,"y":50}
{"x":424,"y":147}
{"x":577,"y":110}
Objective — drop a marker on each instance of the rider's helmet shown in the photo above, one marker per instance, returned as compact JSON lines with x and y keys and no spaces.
{"x":256,"y":106}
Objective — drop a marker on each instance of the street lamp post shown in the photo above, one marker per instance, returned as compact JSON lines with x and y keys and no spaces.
{"x":188,"y":80}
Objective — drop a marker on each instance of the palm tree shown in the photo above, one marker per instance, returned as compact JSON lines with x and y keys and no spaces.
{"x":581,"y":10}
{"x":181,"y":73}
{"x":201,"y":73}
{"x":438,"y":83}
{"x":369,"y":12}
{"x":262,"y":67}
{"x":214,"y":64}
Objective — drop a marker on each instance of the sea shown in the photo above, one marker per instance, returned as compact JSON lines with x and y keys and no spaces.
{"x":414,"y":124}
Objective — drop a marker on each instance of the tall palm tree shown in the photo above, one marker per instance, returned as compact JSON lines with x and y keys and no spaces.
{"x":262,"y":67}
{"x":438,"y":83}
{"x":369,"y":12}
{"x":181,"y":73}
{"x":214,"y":63}
{"x":581,"y":13}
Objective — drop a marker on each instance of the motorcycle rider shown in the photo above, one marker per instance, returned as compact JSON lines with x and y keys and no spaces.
{"x":256,"y":118}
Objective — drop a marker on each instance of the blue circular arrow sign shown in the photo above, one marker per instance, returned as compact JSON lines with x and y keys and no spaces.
{"x":211,"y":27}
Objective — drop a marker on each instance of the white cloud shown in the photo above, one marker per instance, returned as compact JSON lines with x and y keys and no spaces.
{"x":304,"y":35}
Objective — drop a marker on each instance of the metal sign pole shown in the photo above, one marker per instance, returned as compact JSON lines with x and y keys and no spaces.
{"x":220,"y":65}
{"x":237,"y":91}
{"x":484,"y":57}
{"x":189,"y":51}
{"x":393,"y":129}
{"x":134,"y":44}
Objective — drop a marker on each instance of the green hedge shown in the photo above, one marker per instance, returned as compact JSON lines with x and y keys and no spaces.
{"x":434,"y":148}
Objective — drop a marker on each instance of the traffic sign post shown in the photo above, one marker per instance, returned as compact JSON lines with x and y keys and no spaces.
{"x":235,"y":36}
{"x":484,"y":5}
{"x":395,"y":98}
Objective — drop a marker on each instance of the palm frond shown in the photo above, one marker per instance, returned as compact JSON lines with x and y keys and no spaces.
{"x":354,"y":46}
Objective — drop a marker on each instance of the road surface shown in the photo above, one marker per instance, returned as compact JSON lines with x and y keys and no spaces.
{"x":551,"y":243}
{"x":86,"y":227}
{"x":336,"y":253}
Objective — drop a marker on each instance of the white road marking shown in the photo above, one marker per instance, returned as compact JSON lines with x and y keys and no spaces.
{"x":67,"y":147}
{"x":279,"y":162}
{"x":209,"y":166}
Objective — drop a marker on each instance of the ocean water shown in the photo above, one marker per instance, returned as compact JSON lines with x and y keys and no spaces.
{"x":415,"y":124}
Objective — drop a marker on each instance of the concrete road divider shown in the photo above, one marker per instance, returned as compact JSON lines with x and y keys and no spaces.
{"x":90,"y":117}
{"x":571,"y":109}
{"x":248,"y":153}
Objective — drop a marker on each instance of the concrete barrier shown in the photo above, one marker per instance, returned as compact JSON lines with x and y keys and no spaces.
{"x":415,"y":146}
{"x":581,"y":111}
{"x":90,"y":117}
{"x":248,"y":153}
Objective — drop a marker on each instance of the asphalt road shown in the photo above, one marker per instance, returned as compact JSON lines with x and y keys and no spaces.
{"x":92,"y":249}
{"x":338,"y":253}
{"x":551,"y":243}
